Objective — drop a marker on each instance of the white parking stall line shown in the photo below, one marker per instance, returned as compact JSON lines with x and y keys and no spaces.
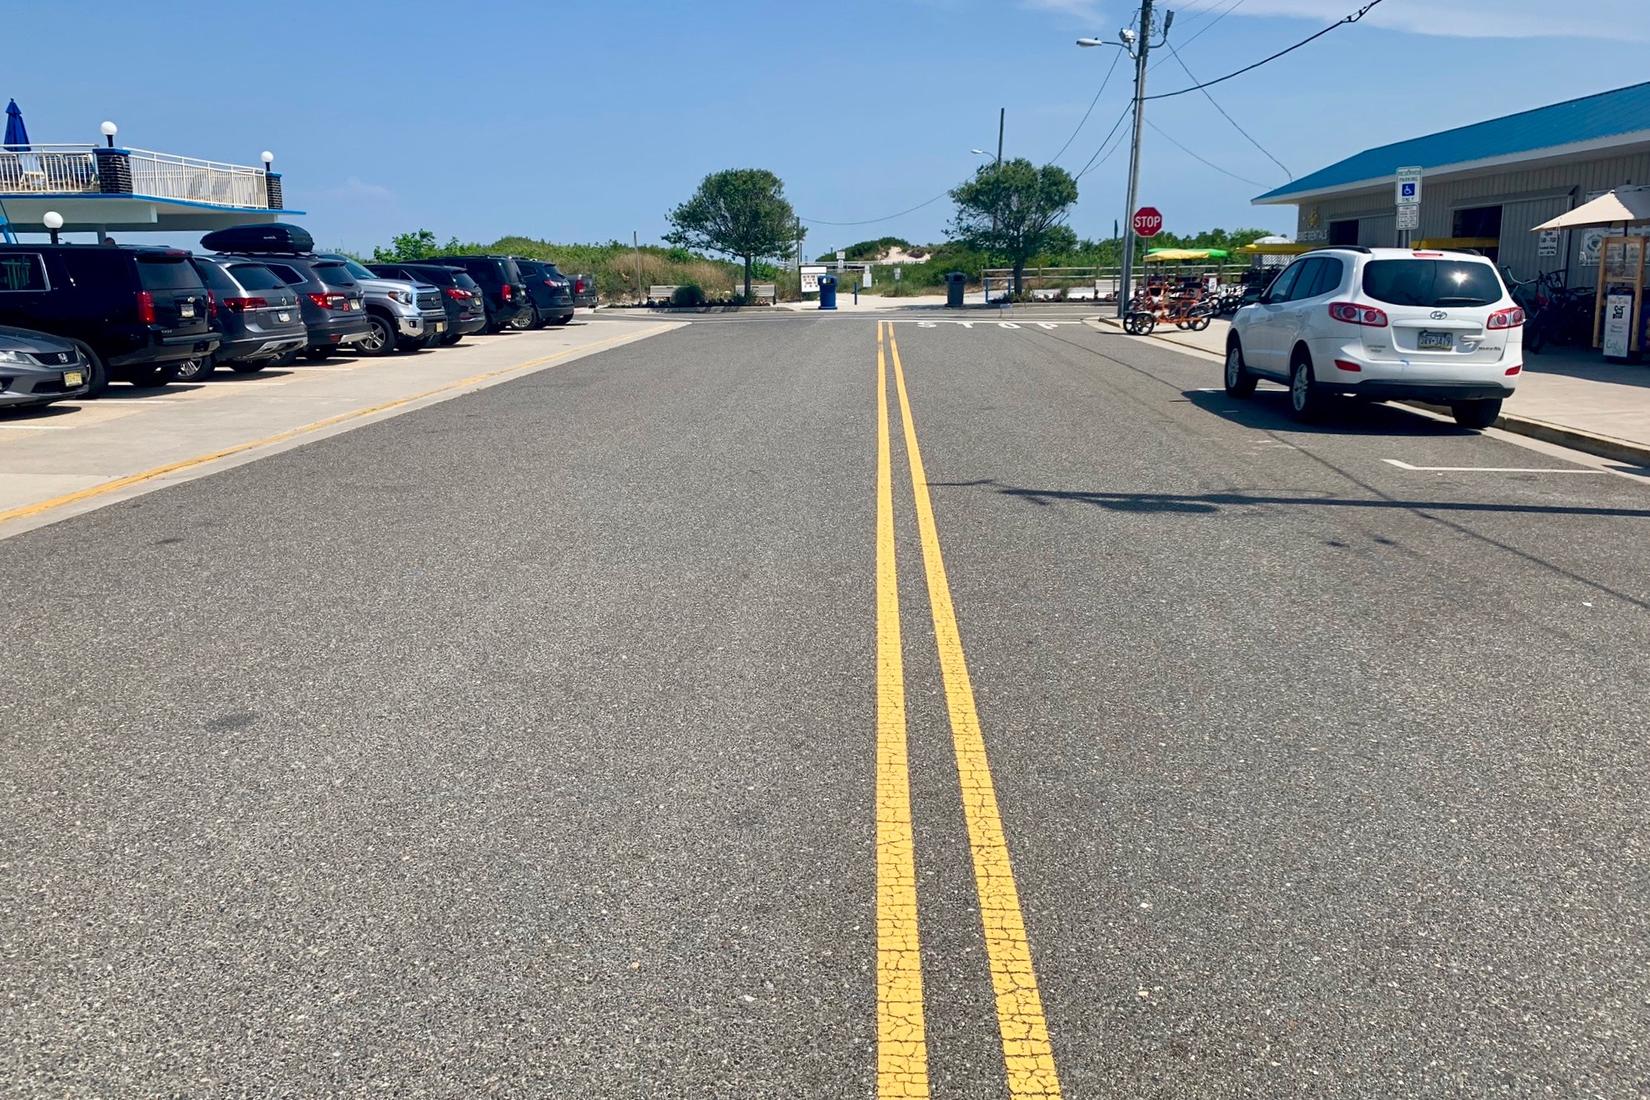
{"x":1486,"y":469}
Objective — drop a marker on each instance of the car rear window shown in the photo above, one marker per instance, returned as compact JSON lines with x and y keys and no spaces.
{"x":256,"y":277}
{"x":215,"y":277}
{"x":26,"y":271}
{"x":167,"y":273}
{"x":334,"y":273}
{"x":435,"y":276}
{"x":1432,"y":282}
{"x":466,"y":282}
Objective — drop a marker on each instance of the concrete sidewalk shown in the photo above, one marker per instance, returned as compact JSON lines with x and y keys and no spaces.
{"x":1567,"y":396}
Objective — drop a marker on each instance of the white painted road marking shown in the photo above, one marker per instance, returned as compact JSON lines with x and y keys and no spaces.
{"x":1487,"y":469}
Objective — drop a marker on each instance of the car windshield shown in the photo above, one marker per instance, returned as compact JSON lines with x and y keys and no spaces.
{"x":167,"y":271}
{"x":360,"y":271}
{"x":1432,"y":282}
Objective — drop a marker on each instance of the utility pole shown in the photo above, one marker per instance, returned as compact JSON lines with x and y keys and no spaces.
{"x":1145,"y":48}
{"x":636,"y":245}
{"x":1002,"y":117}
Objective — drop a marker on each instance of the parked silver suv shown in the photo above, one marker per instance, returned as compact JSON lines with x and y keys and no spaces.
{"x":403,"y":315}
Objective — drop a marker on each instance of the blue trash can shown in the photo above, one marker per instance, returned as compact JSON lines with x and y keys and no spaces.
{"x":827,"y":292}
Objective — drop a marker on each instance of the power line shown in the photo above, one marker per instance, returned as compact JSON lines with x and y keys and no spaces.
{"x":1198,"y":157}
{"x":1096,"y":160}
{"x":884,"y":218}
{"x":1115,"y":58}
{"x":1352,"y":18}
{"x":1251,"y":138}
{"x":1206,"y":27}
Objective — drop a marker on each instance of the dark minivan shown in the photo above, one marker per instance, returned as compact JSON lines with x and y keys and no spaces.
{"x":460,"y":294}
{"x":503,"y":290}
{"x":135,"y":313}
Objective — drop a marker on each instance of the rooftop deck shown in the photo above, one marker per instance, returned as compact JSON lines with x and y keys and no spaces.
{"x":103,"y":188}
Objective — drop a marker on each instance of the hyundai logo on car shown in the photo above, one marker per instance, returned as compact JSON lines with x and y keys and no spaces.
{"x":1439,"y":315}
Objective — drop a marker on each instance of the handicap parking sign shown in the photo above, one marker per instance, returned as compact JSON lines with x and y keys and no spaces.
{"x":1409,"y":190}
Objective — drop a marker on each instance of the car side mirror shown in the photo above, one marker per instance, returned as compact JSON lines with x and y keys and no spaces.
{"x":1265,"y":298}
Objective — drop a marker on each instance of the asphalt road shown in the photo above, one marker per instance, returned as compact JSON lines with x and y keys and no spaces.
{"x":553,"y":741}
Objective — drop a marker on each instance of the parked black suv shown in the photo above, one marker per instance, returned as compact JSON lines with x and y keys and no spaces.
{"x":503,"y":290}
{"x":135,"y":313}
{"x":466,"y":313}
{"x":550,"y":291}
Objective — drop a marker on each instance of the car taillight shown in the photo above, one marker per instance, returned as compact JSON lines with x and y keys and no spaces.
{"x":145,"y":307}
{"x":211,"y":304}
{"x":578,"y":287}
{"x":458,"y":294}
{"x":506,"y":292}
{"x":1506,"y":318}
{"x":240,"y":305}
{"x":1354,"y":314}
{"x":329,"y":301}
{"x":1514,"y":369}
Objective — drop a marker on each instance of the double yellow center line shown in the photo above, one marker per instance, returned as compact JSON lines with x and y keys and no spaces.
{"x":902,"y":1059}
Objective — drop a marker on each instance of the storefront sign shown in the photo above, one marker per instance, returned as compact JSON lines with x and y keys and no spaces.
{"x":1591,"y":241}
{"x":1547,"y":243}
{"x":1618,"y":325}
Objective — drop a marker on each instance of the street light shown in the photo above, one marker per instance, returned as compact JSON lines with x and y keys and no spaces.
{"x":109,"y":131}
{"x":980,"y":152}
{"x":53,"y":222}
{"x":268,"y":159}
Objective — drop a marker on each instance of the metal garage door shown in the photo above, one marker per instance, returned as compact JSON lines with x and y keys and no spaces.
{"x":1519,"y":245}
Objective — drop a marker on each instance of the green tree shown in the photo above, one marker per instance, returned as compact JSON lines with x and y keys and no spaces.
{"x":741,"y":212}
{"x":1017,"y":210}
{"x":407,"y":247}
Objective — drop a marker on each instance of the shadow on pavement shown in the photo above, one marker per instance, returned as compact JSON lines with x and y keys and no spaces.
{"x":1210,"y":503}
{"x":1268,"y":410}
{"x":14,"y":414}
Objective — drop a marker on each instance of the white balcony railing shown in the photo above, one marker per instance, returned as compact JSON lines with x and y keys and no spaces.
{"x":165,"y":176}
{"x":72,"y":169}
{"x":49,"y":169}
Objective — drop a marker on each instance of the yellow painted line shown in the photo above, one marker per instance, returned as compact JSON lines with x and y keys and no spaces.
{"x":1028,"y":1056}
{"x":902,"y":1045}
{"x":24,"y":511}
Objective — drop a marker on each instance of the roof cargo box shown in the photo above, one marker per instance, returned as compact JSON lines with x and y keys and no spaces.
{"x":272,"y":237}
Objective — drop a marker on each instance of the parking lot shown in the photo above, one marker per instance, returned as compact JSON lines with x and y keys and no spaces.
{"x":76,"y":455}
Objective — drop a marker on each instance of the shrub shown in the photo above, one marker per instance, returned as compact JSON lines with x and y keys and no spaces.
{"x":689,"y":294}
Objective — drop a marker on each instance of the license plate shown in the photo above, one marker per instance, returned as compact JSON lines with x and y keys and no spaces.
{"x":186,"y":309}
{"x":441,"y":326}
{"x":1436,"y":341}
{"x":283,"y":316}
{"x":73,"y":378}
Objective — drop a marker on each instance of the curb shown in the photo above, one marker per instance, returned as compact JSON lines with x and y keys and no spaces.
{"x":1601,"y":446}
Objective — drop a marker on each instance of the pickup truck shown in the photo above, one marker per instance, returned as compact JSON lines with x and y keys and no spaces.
{"x":403,"y":315}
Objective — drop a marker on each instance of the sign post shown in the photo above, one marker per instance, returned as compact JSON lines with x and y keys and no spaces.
{"x":840,"y":256}
{"x":1407,"y":199}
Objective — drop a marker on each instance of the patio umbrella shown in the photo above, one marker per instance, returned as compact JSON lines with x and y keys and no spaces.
{"x":1625,"y":204}
{"x":17,"y":135}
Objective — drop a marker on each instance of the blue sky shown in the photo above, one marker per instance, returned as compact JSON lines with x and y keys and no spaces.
{"x":585,"y":121}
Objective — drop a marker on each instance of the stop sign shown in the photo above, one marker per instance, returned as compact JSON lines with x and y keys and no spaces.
{"x":1147,"y":221}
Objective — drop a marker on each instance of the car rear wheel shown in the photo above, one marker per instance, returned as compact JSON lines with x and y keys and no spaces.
{"x":1477,"y":414}
{"x":1305,"y":398}
{"x":380,"y":339}
{"x":198,"y":369}
{"x":252,"y":367}
{"x":522,"y":322}
{"x":563,"y":320}
{"x":448,"y":339}
{"x":316,"y":355}
{"x":1239,"y":382}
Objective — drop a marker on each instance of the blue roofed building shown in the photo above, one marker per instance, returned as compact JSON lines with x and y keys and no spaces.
{"x":1486,"y":185}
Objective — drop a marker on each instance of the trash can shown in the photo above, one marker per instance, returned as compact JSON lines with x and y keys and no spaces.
{"x":827,"y":292}
{"x":954,"y":283}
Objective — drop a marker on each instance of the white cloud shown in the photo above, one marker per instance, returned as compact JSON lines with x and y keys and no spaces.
{"x":356,"y":189}
{"x":1077,"y":9}
{"x":1614,"y":19}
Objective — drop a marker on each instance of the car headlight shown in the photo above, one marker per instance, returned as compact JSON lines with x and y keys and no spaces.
{"x":14,"y":357}
{"x":400,"y":296}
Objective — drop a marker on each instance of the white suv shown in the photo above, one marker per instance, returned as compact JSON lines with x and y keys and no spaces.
{"x":1383,"y":323}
